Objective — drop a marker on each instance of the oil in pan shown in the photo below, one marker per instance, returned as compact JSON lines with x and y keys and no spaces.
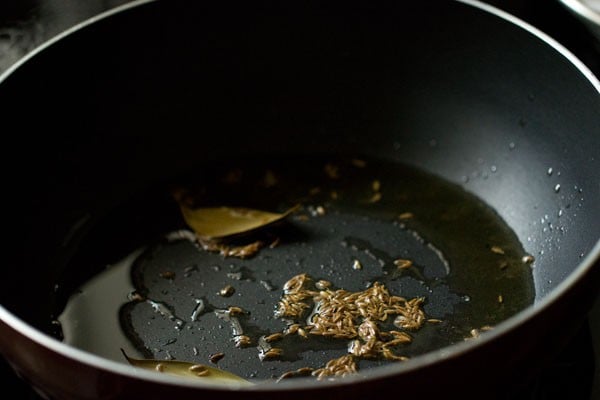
{"x":371,"y":262}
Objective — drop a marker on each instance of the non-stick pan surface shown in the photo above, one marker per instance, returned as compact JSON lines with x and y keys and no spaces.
{"x":452,"y":255}
{"x":155,"y":90}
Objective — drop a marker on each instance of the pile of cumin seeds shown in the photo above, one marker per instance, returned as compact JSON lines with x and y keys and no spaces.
{"x":354,"y":316}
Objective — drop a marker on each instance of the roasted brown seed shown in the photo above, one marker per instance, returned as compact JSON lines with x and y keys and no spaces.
{"x":301,"y":332}
{"x":322,"y":284}
{"x":242,"y":341}
{"x":286,"y":375}
{"x":403,"y":337}
{"x":497,"y":250}
{"x":341,"y":366}
{"x":273,"y":337}
{"x":402,"y":263}
{"x":167,"y":275}
{"x":296,"y":283}
{"x":243,"y":251}
{"x":292,"y":329}
{"x":341,"y":314}
{"x":304,"y":371}
{"x":135,"y":296}
{"x":235,"y":310}
{"x":275,"y":243}
{"x":273,"y":352}
{"x":226,"y":291}
{"x":389,"y":355}
{"x":216,"y":357}
{"x":528,"y":259}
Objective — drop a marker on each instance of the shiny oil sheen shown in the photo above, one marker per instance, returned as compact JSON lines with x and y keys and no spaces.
{"x":467,"y":263}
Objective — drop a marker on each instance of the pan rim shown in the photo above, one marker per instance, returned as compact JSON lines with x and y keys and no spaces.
{"x":420,"y":362}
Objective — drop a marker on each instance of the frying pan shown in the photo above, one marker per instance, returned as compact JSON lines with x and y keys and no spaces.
{"x":457,"y":92}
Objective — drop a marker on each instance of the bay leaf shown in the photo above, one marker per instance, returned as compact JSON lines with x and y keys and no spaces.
{"x":220,"y":222}
{"x":187,"y":369}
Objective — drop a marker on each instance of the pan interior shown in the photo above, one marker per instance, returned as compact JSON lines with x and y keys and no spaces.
{"x":361,"y":222}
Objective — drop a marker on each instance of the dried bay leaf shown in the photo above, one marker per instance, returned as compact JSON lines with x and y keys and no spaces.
{"x":188,"y":369}
{"x":220,"y":222}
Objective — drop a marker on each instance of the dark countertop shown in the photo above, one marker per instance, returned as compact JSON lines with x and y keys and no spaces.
{"x":25,"y":24}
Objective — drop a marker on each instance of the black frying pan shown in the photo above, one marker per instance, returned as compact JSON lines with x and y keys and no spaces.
{"x":484,"y":112}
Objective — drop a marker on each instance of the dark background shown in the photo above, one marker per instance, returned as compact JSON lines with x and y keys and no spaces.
{"x":574,"y":374}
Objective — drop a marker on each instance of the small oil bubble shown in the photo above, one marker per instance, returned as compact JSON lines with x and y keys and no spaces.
{"x":512,"y":145}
